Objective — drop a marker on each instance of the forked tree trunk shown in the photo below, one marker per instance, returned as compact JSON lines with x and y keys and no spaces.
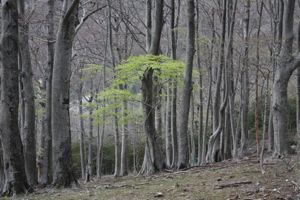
{"x":63,"y":175}
{"x":15,"y":176}
{"x":287,"y":64}
{"x":152,"y":158}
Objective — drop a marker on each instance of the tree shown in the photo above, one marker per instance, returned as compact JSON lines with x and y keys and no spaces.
{"x":28,"y":129}
{"x":245,"y":79}
{"x":286,"y":65}
{"x":62,"y":158}
{"x":15,"y":176}
{"x":46,"y":159}
{"x":152,"y":159}
{"x":183,"y":157}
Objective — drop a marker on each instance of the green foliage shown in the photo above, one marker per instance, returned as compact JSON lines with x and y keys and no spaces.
{"x":133,"y":69}
{"x":111,"y":101}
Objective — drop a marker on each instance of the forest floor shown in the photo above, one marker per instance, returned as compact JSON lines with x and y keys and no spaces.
{"x":226,"y":180}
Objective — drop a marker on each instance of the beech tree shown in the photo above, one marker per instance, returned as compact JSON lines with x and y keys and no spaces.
{"x":287,"y":63}
{"x":63,"y":174}
{"x":15,"y":176}
{"x":183,"y":157}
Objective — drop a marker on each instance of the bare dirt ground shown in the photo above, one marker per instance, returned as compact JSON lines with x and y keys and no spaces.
{"x":227,"y":180}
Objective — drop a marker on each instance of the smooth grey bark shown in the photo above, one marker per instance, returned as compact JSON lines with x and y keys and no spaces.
{"x":286,"y":65}
{"x":2,"y":175}
{"x":277,"y":21}
{"x":28,"y":129}
{"x":174,"y":37}
{"x":124,"y":147}
{"x":152,"y":158}
{"x":89,"y":166}
{"x":116,"y":123}
{"x":148,"y":23}
{"x":15,"y":176}
{"x":201,"y":100}
{"x":213,"y":153}
{"x":63,"y":175}
{"x":245,"y":80}
{"x":183,"y":157}
{"x":82,"y":132}
{"x":204,"y":140}
{"x":168,"y":136}
{"x":46,"y":160}
{"x":100,"y":138}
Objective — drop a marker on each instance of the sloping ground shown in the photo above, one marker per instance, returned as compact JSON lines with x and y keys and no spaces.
{"x":226,"y":180}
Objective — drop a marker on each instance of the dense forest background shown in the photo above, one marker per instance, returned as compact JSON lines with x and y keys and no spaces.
{"x":95,"y":87}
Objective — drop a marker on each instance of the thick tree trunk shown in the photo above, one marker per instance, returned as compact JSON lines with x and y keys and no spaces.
{"x":62,"y":157}
{"x":46,"y":160}
{"x":29,"y":142}
{"x":287,"y":64}
{"x":15,"y":176}
{"x":152,"y":158}
{"x":183,"y":157}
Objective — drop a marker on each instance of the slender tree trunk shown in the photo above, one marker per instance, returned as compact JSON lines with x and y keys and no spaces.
{"x":245,"y":80}
{"x":183,"y":157}
{"x":15,"y":176}
{"x":82,"y":132}
{"x":204,"y":140}
{"x":200,"y":108}
{"x":168,"y":136}
{"x":174,"y":36}
{"x":89,"y":167}
{"x":124,"y":148}
{"x":214,"y":141}
{"x":63,"y":175}
{"x":2,"y":175}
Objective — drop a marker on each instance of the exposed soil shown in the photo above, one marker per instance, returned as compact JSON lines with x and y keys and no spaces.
{"x":226,"y":180}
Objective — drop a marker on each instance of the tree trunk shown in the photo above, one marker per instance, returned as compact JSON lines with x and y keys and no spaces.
{"x":28,"y":131}
{"x":82,"y":132}
{"x":245,"y":80}
{"x":15,"y":176}
{"x":46,"y":160}
{"x":63,"y":175}
{"x":2,"y":175}
{"x":168,"y":136}
{"x":174,"y":35}
{"x":89,"y":167}
{"x":124,"y":147}
{"x":287,"y":64}
{"x":183,"y":157}
{"x":152,"y":158}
